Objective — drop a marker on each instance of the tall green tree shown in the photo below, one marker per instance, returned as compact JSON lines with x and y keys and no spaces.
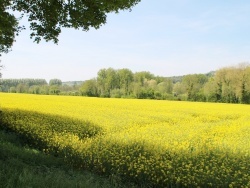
{"x":89,"y":88}
{"x":125,"y":78}
{"x":22,"y":88}
{"x":55,"y":81}
{"x":48,"y":17}
{"x":165,"y":86}
{"x":141,"y":77}
{"x":107,"y":80}
{"x":230,"y":84}
{"x":112,"y":79}
{"x":245,"y":86}
{"x":54,"y":90}
{"x":226,"y":85}
{"x":101,"y":81}
{"x":210,"y":91}
{"x":193,"y":84}
{"x":35,"y":89}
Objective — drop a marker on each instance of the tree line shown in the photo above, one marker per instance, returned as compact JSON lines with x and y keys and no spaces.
{"x":38,"y":86}
{"x":228,"y":85}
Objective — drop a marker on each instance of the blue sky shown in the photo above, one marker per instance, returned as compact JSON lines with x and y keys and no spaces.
{"x":165,"y":37}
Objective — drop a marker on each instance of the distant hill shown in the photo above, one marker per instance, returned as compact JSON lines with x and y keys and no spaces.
{"x":211,"y":73}
{"x":179,"y":78}
{"x":71,"y":83}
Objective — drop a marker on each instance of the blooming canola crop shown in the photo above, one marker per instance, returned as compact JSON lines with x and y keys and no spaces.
{"x":162,"y":143}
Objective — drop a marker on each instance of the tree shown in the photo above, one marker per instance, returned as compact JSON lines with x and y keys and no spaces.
{"x":243,"y":89}
{"x":210,"y":91}
{"x":152,"y":84}
{"x":89,"y":88}
{"x":35,"y":89}
{"x":107,"y":80}
{"x":44,"y":89}
{"x":22,"y":88}
{"x":141,"y":77}
{"x":228,"y":80}
{"x":179,"y":91}
{"x":47,"y":17}
{"x":54,"y":90}
{"x":193,"y":84}
{"x":230,"y":84}
{"x":12,"y":90}
{"x":55,"y":81}
{"x":125,"y":77}
{"x":165,"y":86}
{"x":101,"y":81}
{"x":0,"y":70}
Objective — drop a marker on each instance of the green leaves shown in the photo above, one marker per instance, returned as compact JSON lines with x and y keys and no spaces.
{"x":8,"y":29}
{"x":47,"y":17}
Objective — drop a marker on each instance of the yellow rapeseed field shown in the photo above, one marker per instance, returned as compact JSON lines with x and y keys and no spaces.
{"x":162,"y":143}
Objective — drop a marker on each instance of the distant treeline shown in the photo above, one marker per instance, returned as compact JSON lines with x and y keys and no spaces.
{"x":229,"y":85}
{"x":39,"y":86}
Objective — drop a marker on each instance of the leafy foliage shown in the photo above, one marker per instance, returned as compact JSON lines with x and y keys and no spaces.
{"x":23,"y":166}
{"x":8,"y":27}
{"x":55,"y":81}
{"x":47,"y":17}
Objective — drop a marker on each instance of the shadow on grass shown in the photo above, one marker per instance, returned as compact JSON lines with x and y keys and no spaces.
{"x":22,"y":166}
